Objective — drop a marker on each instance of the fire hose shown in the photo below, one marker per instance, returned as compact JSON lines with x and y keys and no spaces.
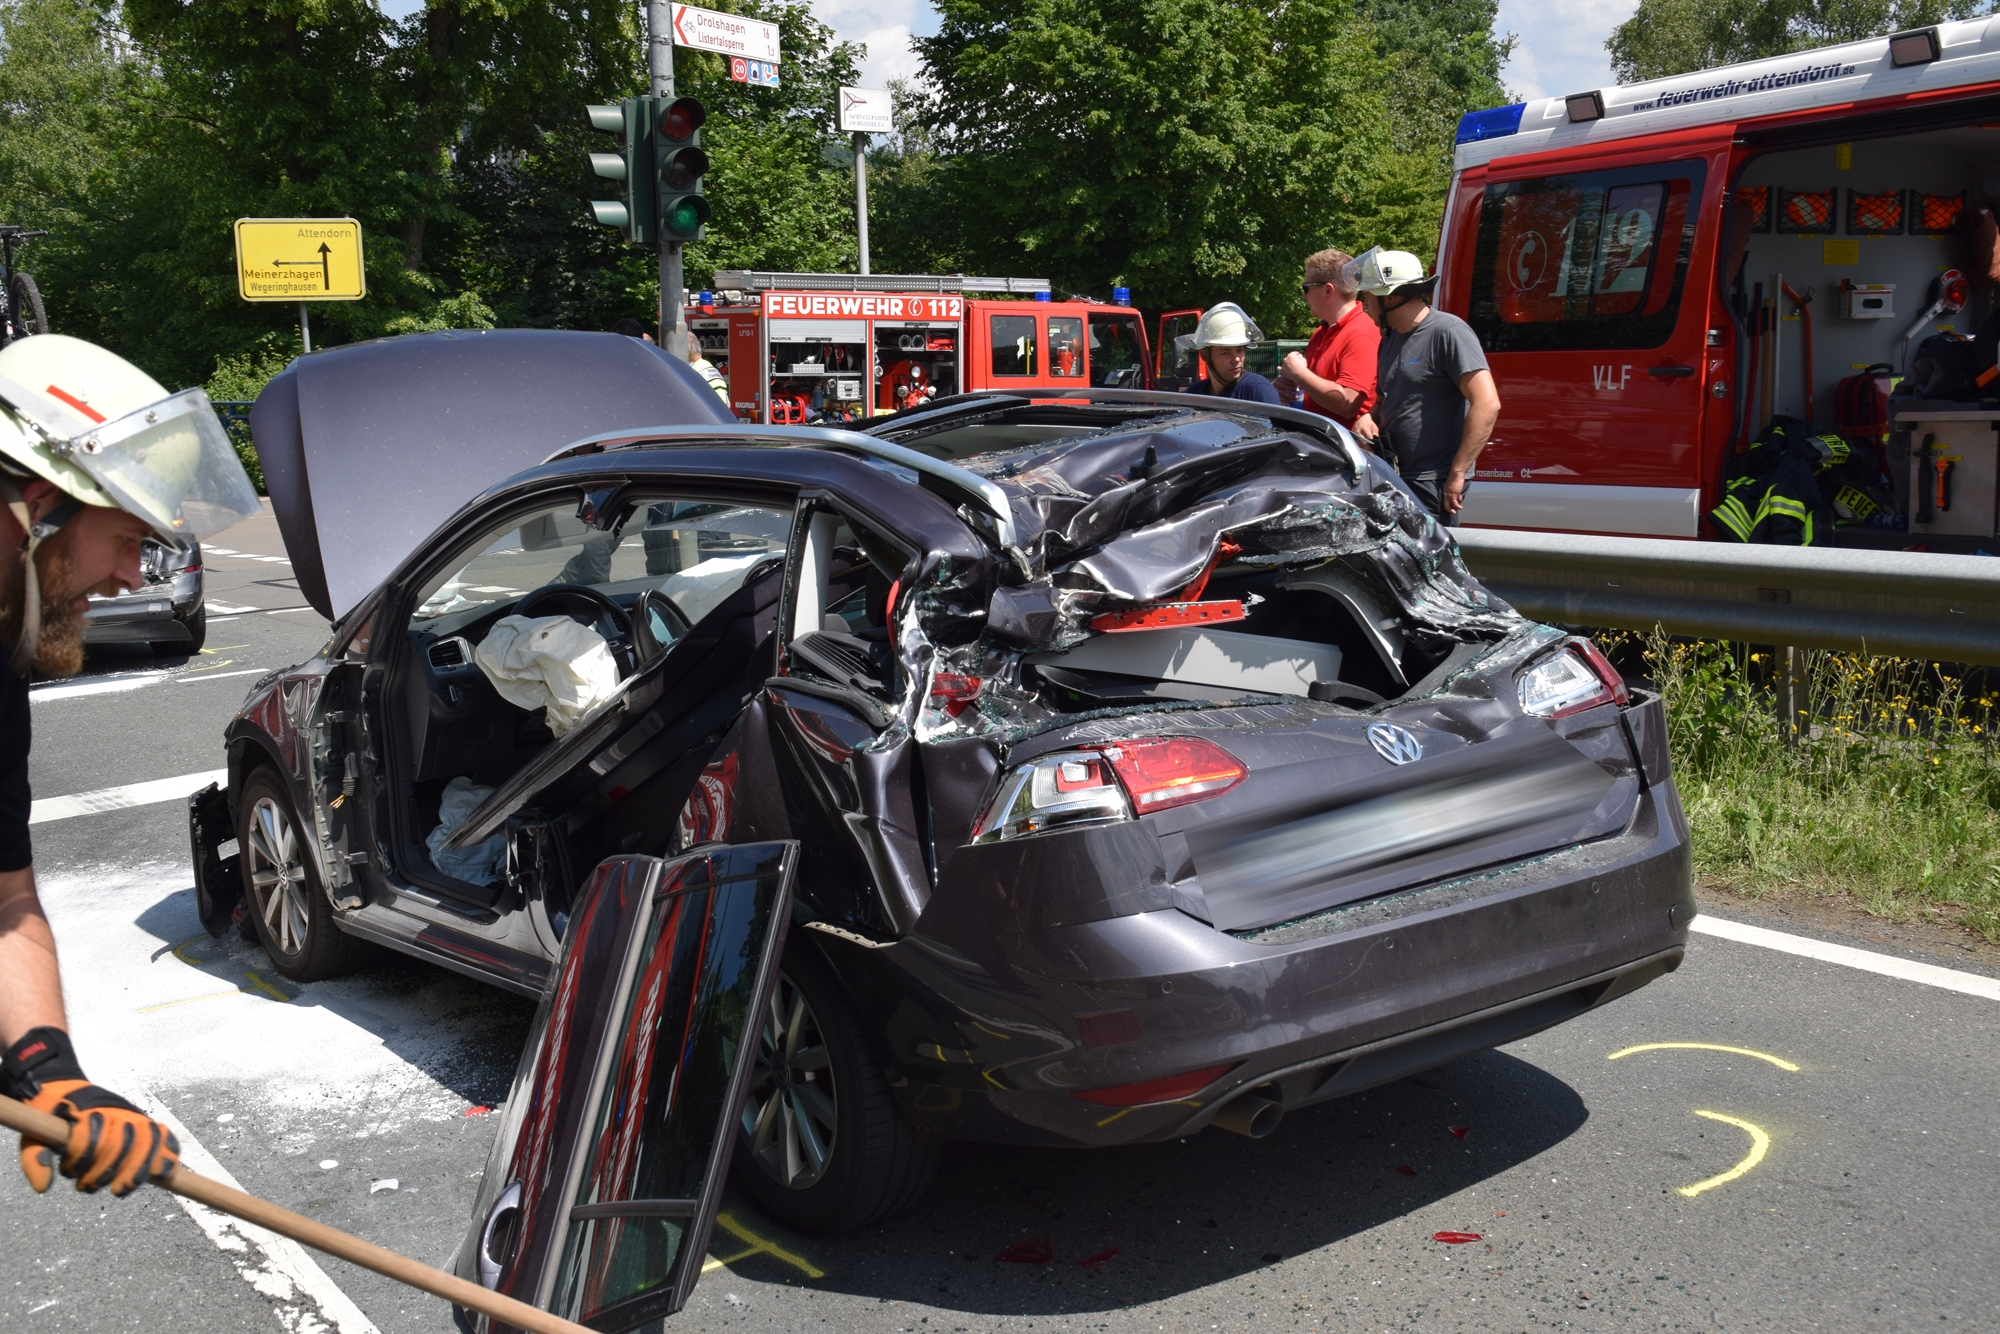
{"x":53,"y":1131}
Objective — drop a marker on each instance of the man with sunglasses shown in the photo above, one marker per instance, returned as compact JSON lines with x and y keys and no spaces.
{"x":1336,"y":372}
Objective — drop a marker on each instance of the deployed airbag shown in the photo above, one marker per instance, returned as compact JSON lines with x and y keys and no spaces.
{"x":548,"y":662}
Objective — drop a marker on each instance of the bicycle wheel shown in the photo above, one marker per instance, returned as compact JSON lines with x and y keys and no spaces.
{"x":25,"y":301}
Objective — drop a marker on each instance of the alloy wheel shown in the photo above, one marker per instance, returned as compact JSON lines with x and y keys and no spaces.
{"x":791,"y":1115}
{"x":278,"y":877}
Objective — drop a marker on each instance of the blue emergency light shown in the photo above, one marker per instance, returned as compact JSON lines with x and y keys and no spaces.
{"x":1121,"y":296}
{"x":1495,"y":124}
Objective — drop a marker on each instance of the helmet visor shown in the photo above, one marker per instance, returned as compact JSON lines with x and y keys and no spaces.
{"x":171,"y":464}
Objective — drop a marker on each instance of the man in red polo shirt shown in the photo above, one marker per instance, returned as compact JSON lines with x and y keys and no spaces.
{"x":1337,"y":369}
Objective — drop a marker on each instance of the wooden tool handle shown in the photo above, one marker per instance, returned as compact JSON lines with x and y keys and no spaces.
{"x":54,"y":1132}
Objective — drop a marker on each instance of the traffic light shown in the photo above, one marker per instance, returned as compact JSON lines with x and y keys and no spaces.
{"x":635,"y":215}
{"x":683,"y":212}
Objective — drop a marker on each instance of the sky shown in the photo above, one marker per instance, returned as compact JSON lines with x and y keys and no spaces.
{"x":1561,"y":46}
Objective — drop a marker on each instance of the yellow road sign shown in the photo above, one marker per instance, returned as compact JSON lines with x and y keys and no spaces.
{"x":299,"y":259}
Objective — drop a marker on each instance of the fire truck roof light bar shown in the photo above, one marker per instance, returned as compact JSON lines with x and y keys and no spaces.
{"x":973,"y":488}
{"x":747,"y":280}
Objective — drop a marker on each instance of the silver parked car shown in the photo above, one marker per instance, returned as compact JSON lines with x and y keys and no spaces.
{"x":168,"y":611}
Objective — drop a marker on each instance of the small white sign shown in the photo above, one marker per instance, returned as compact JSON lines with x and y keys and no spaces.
{"x":866,"y":111}
{"x":706,"y":30}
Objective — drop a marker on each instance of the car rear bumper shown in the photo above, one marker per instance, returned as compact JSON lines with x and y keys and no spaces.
{"x":992,"y":1037}
{"x":155,"y":614}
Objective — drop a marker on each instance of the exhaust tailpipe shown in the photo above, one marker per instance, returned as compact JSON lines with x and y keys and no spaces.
{"x":1250,"y":1115}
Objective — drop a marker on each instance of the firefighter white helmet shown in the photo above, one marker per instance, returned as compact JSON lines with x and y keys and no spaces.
{"x":1226,"y":325}
{"x":107,"y":433}
{"x":1384,"y":272}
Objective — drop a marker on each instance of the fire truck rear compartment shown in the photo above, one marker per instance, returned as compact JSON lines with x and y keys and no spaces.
{"x":1865,"y":231}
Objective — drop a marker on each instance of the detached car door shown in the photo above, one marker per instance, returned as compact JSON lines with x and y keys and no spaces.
{"x":605,"y":1176}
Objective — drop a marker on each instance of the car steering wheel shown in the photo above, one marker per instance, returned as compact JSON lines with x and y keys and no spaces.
{"x":577,"y":596}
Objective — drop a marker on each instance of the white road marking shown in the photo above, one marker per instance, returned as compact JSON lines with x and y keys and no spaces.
{"x":245,"y":555}
{"x":1888,"y":965}
{"x":104,"y":685}
{"x":225,"y":609}
{"x":221,"y":676}
{"x":304,"y":1296}
{"x":122,"y":798}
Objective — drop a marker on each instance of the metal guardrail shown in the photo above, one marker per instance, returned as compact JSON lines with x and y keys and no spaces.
{"x":1906,"y":604}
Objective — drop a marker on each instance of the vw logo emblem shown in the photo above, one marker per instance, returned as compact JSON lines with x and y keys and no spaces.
{"x":1395,"y":744}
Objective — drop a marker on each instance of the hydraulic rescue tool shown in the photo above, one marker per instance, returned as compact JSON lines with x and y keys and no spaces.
{"x":53,"y":1131}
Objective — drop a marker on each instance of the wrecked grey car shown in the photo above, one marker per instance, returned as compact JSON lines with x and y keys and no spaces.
{"x":1154,"y":763}
{"x":168,"y":611}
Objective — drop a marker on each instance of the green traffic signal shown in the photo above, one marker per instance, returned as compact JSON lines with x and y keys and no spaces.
{"x":635,"y":214}
{"x":681,"y":163}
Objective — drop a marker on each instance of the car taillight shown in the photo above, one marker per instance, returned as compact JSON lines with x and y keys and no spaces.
{"x":1106,"y":784}
{"x":1171,"y":1088}
{"x":1054,"y":792}
{"x":1578,"y":678}
{"x":1164,"y":772}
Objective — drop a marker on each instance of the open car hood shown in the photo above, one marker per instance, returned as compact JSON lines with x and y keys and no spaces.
{"x":368,"y":448}
{"x":608,"y":1167}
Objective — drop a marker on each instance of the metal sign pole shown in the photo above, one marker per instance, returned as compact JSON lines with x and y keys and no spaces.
{"x":660,"y":62}
{"x":861,"y":194}
{"x":305,"y":327}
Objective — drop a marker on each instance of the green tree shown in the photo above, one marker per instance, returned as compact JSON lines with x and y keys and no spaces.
{"x":138,"y":132}
{"x":1668,"y":37}
{"x":1193,"y":150}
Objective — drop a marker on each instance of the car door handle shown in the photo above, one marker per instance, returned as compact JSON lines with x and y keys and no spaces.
{"x":1670,"y":372}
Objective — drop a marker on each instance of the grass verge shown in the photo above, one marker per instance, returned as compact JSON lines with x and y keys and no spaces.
{"x":1888,"y":795}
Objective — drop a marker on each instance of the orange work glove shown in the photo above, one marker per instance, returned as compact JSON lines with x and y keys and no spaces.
{"x":111,"y":1142}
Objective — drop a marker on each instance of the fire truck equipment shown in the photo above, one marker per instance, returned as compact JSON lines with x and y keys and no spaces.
{"x":1951,"y":290}
{"x":1805,"y":212}
{"x":1867,"y":301}
{"x":1875,"y":215}
{"x":53,"y":1131}
{"x":1804,"y":304}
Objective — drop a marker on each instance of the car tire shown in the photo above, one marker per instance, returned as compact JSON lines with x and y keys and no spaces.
{"x":197,"y":628}
{"x":877,"y":1163}
{"x":293,"y":919}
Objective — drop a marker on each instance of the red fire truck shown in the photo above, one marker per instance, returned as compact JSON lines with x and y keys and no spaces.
{"x":834,"y":347}
{"x":1655,"y":270}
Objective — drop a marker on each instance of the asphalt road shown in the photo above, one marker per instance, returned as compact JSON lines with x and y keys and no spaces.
{"x":1871,"y":1207}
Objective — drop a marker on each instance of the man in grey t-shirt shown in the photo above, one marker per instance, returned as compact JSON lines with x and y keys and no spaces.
{"x":1435,"y":398}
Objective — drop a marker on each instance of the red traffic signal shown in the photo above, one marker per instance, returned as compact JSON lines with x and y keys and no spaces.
{"x":682,"y":118}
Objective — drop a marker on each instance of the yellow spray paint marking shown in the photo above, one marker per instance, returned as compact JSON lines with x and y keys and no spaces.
{"x":758,"y":1246}
{"x":1781,"y":1063}
{"x":223,"y":648}
{"x":1759,"y":1143}
{"x":256,"y":983}
{"x":267,"y":988}
{"x":197,"y":671}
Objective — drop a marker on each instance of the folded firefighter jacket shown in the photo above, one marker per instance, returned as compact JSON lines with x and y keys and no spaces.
{"x":1774,"y":496}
